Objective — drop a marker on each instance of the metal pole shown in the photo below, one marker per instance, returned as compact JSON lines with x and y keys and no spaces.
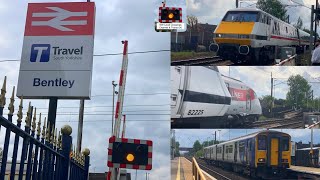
{"x":311,"y":146}
{"x":136,"y":174}
{"x":311,"y":29}
{"x":52,"y":113}
{"x":315,"y":24}
{"x":146,"y":177}
{"x":113,"y":92}
{"x":271,"y":94}
{"x":80,"y":125}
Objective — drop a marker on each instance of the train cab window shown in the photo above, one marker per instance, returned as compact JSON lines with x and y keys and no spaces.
{"x":285,"y":144}
{"x":241,"y":16}
{"x":262,"y":142}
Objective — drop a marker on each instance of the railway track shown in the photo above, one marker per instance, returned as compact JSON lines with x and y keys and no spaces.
{"x":212,"y":60}
{"x":292,"y":119}
{"x":217,"y":172}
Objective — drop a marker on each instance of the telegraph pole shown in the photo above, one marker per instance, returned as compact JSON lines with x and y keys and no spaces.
{"x":311,"y":29}
{"x":315,"y":22}
{"x":271,"y":94}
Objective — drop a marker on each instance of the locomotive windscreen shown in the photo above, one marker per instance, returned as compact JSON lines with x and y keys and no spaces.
{"x":241,"y":16}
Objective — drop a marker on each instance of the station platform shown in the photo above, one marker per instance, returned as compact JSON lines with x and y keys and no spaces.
{"x":302,"y":169}
{"x":181,"y":169}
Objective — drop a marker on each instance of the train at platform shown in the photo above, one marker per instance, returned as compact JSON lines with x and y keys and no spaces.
{"x":265,"y":154}
{"x":252,"y":35}
{"x":201,"y":93}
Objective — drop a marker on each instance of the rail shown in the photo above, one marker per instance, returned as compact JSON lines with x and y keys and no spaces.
{"x":196,"y":171}
{"x":283,"y":62}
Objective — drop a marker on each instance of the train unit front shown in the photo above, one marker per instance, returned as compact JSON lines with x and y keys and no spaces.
{"x":253,"y":35}
{"x":273,"y":154}
{"x":265,"y":154}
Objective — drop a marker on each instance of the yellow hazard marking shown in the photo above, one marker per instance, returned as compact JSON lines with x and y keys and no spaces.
{"x":178,"y":173}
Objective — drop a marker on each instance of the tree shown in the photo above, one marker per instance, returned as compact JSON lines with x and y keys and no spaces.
{"x":273,"y":7}
{"x":298,"y":90}
{"x":197,"y":146}
{"x":192,"y":21}
{"x":299,"y":23}
{"x":266,"y":101}
{"x":177,"y":152}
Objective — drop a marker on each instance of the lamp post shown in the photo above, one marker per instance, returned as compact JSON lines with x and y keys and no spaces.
{"x":113,"y":93}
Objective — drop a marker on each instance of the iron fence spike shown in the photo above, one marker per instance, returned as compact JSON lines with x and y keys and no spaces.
{"x":39,"y":126}
{"x":44,"y":129}
{"x":11,"y":105}
{"x":20,"y":114}
{"x":3,"y":93}
{"x":34,"y":120}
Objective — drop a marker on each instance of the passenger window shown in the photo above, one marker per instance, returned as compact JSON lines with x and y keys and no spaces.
{"x":262,"y":142}
{"x":285,"y":144}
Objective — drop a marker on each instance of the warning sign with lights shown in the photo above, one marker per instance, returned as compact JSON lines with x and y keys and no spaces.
{"x":130,"y":153}
{"x":170,"y":14}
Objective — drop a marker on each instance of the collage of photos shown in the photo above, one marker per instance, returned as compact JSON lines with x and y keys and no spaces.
{"x":245,"y":91}
{"x":160,"y":90}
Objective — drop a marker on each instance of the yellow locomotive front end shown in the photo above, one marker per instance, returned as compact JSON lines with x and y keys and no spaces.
{"x":233,"y":37}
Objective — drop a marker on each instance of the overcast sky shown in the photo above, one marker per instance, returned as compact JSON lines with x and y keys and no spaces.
{"x":212,"y":11}
{"x":116,"y":20}
{"x":187,"y":137}
{"x":259,"y":78}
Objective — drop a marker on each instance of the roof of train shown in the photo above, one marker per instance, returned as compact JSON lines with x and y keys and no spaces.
{"x":259,"y":10}
{"x":246,"y":137}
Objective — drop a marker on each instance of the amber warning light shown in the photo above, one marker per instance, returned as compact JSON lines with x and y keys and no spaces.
{"x":170,"y":18}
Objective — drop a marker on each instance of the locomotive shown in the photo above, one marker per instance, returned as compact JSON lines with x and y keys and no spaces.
{"x":202,"y":98}
{"x":263,"y":154}
{"x":254,"y":36}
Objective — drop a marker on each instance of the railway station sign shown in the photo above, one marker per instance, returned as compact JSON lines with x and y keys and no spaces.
{"x":57,"y":53}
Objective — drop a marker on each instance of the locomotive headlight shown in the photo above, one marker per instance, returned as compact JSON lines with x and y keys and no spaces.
{"x":285,"y":160}
{"x":261,"y":160}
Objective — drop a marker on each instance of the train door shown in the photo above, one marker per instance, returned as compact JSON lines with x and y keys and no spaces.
{"x":247,"y":152}
{"x":235,"y":151}
{"x":274,"y":151}
{"x":223,"y":149}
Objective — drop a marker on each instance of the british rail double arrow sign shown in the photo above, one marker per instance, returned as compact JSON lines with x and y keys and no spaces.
{"x":57,"y":52}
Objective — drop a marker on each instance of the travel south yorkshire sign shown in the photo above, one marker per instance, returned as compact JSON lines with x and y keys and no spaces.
{"x":57,"y":52}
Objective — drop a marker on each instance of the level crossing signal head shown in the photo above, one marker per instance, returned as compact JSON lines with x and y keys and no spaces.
{"x":170,"y":14}
{"x":130,"y":153}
